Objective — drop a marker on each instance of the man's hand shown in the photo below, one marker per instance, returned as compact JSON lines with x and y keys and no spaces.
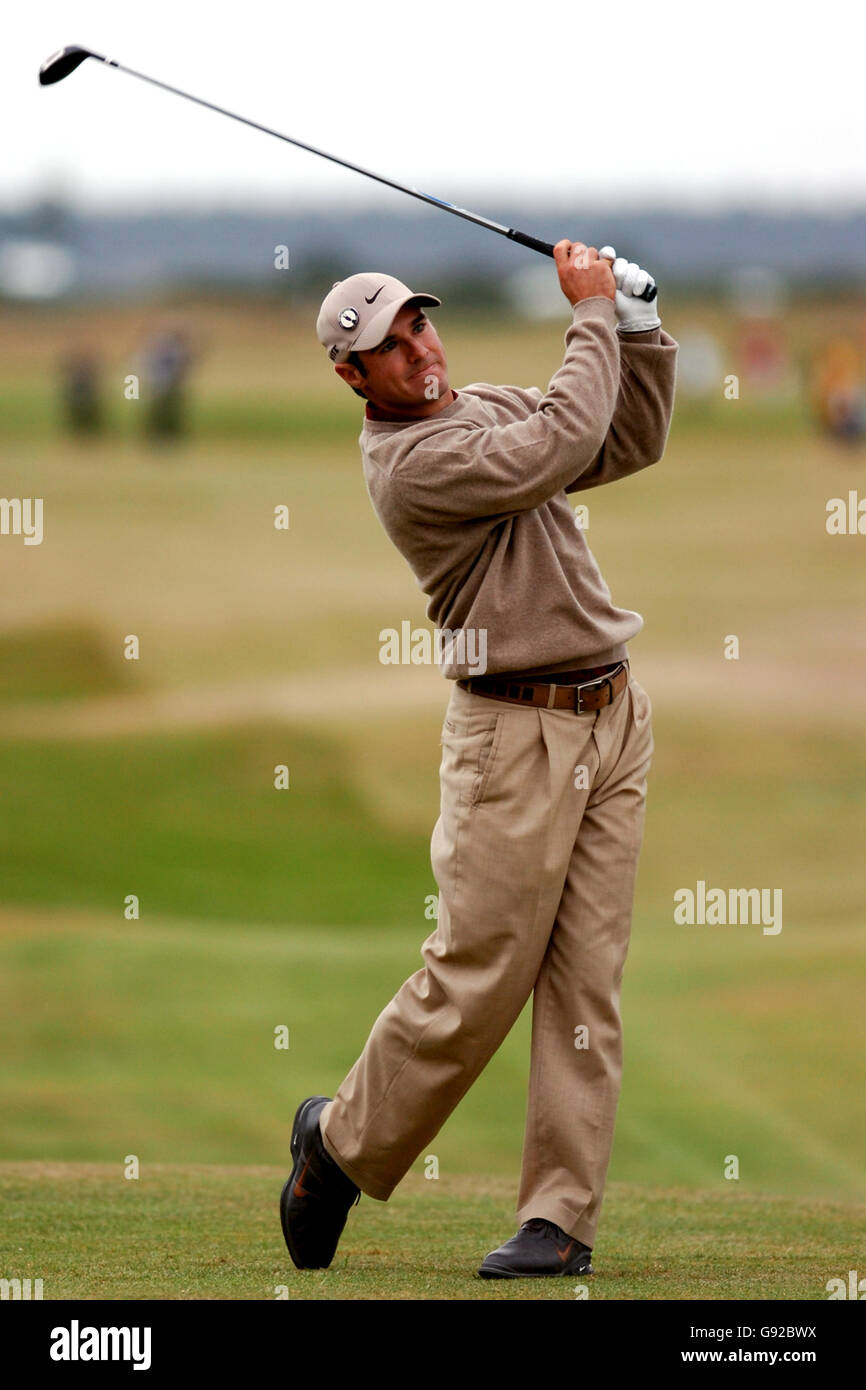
{"x":582,"y":275}
{"x":634,"y":315}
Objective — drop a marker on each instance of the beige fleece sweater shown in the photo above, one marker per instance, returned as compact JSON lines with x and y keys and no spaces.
{"x":474,"y":497}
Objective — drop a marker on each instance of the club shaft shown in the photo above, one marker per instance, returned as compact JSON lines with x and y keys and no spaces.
{"x":66,"y":60}
{"x":545,"y":248}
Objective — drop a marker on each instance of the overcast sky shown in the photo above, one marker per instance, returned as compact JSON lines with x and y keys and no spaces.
{"x":683,"y":103}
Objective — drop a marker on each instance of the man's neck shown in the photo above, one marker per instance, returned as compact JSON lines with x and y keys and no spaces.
{"x":374,"y":413}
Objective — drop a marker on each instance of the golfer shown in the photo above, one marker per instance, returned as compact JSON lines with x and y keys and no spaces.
{"x":545,"y":752}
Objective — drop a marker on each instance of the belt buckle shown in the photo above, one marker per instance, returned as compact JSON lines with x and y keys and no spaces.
{"x":588,"y":685}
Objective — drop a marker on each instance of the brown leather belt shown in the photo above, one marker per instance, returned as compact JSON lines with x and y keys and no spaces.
{"x":583,"y":697}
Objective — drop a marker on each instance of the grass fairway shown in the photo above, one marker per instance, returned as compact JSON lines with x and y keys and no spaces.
{"x":212,"y":1232}
{"x":305,"y":908}
{"x":156,"y":1038}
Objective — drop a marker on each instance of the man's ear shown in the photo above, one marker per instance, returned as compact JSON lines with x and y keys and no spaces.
{"x":346,"y":372}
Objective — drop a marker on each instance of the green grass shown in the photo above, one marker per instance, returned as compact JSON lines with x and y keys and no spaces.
{"x":32,"y":409}
{"x":725,"y":535}
{"x":58,"y":661}
{"x":306,"y":908}
{"x":209,"y":1232}
{"x":156,"y":1037}
{"x":261,"y":375}
{"x":192,"y":824}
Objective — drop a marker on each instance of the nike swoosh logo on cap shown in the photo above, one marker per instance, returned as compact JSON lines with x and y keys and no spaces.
{"x":375,"y":296}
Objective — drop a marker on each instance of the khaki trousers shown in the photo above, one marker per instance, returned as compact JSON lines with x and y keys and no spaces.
{"x":535,"y":853}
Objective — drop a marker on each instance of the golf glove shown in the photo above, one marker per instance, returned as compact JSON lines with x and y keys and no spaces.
{"x":633,"y":315}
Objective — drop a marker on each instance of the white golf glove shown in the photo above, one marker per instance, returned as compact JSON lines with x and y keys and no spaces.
{"x":633,"y":314}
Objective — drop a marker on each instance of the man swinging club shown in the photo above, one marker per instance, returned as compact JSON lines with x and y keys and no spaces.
{"x":544,"y":756}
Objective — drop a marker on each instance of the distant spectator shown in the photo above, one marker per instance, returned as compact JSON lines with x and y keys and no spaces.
{"x":838,"y":393}
{"x":763,"y":356}
{"x":79,"y":383}
{"x":166,"y":361}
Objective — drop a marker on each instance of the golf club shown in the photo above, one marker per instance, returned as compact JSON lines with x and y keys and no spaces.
{"x":66,"y":60}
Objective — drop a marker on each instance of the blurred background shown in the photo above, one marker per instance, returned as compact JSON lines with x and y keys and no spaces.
{"x":163,"y":391}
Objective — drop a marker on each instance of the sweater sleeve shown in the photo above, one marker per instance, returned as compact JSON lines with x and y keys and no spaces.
{"x":641,"y":420}
{"x":466,"y":470}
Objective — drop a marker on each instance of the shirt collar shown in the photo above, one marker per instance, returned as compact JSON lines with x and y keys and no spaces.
{"x":410,"y":419}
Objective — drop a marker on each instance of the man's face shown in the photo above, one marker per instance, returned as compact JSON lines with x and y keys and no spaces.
{"x":407,"y":373}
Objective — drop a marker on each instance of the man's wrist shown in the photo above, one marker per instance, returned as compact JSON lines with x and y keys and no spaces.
{"x":594,"y":299}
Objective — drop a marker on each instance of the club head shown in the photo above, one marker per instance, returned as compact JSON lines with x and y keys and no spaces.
{"x":63,"y":62}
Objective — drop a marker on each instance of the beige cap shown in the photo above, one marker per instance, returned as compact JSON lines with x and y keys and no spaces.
{"x":358,"y":312}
